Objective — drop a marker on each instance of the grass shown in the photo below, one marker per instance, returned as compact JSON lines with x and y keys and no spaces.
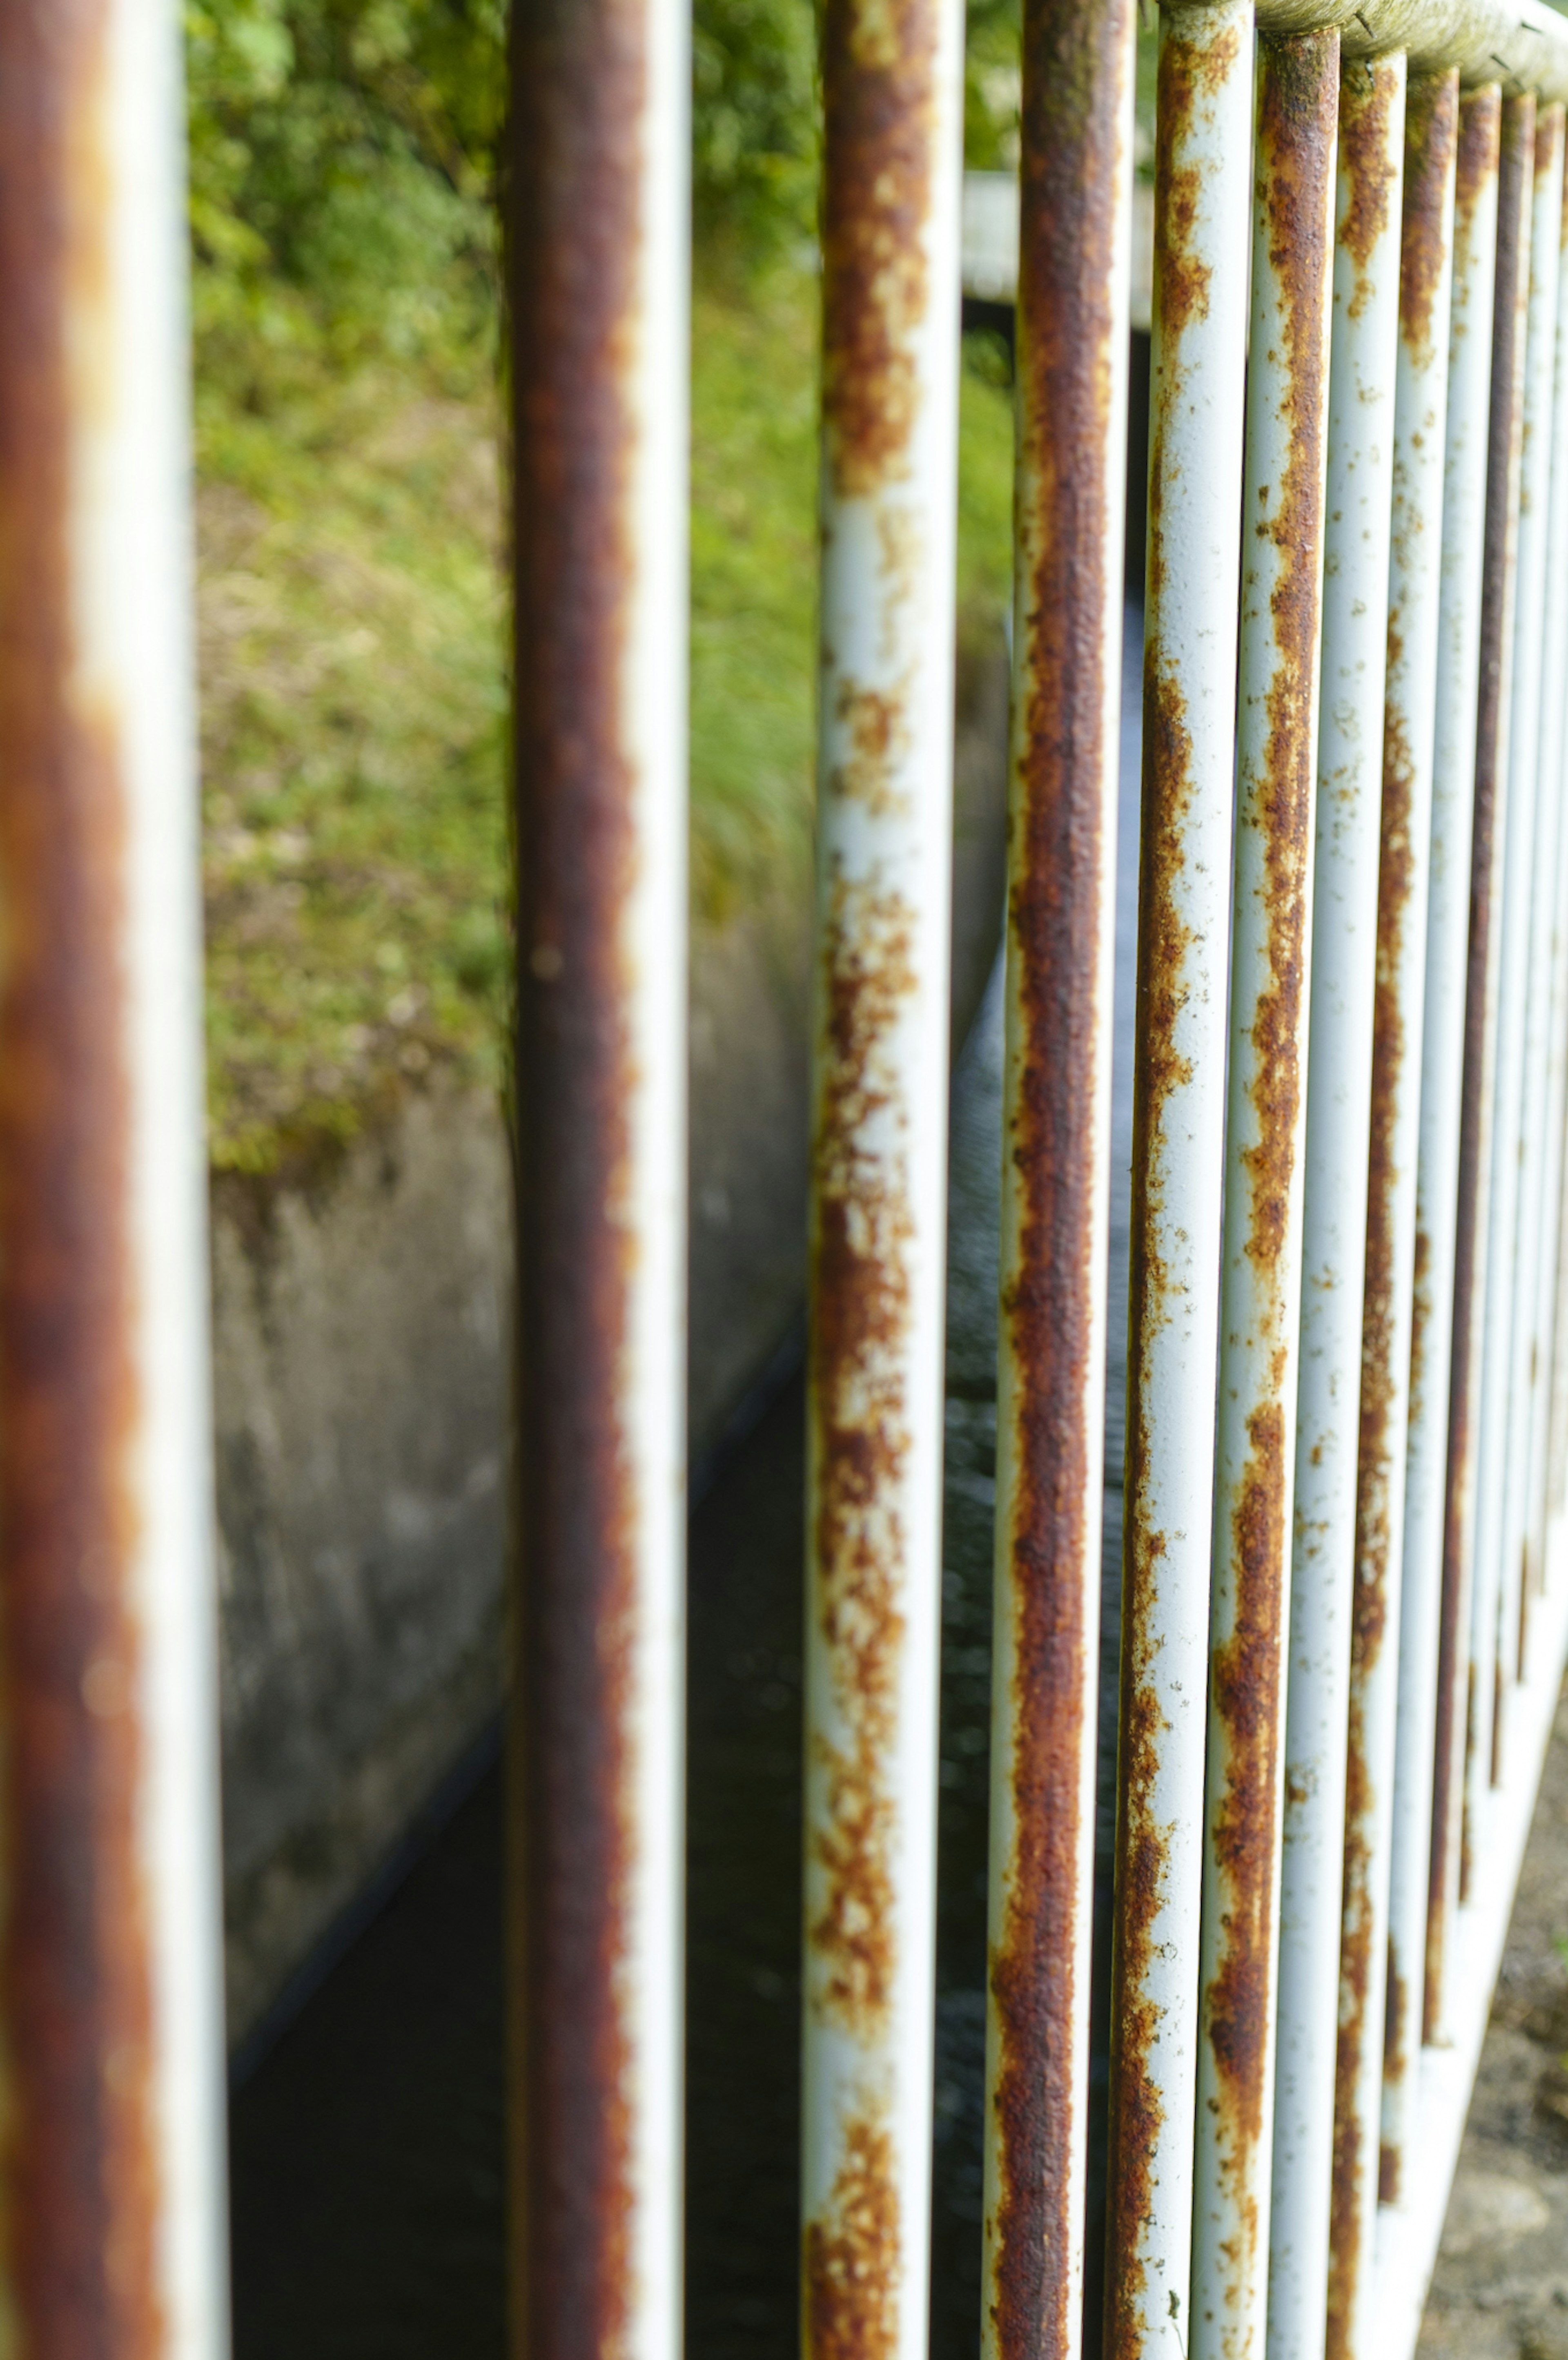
{"x":353,"y":627}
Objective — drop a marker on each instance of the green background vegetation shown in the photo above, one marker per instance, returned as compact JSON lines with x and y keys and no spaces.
{"x":344,"y":156}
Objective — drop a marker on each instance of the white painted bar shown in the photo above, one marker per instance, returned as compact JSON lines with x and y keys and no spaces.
{"x":1363,"y":2155}
{"x":1356,"y":600}
{"x":132,"y":535}
{"x":1191,"y":630}
{"x":1498,"y":1531}
{"x":1271,"y":941}
{"x":879,"y":1178}
{"x":1447,"y":939}
{"x":1546,"y":1053}
{"x":1456,"y":1675}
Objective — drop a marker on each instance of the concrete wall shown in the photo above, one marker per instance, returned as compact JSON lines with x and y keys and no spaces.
{"x":361,"y":1370}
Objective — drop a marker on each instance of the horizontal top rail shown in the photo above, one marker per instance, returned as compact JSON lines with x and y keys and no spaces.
{"x":1522,"y":44}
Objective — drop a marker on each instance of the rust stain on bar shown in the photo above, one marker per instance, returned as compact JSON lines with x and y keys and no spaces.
{"x":1074,"y":67}
{"x":850,"y":2278}
{"x":1431,"y":117}
{"x":1366,"y":97}
{"x":1455,"y":1714}
{"x":1396,"y":2052}
{"x":79,"y":2191}
{"x":1186,"y":77}
{"x":1296,"y":131}
{"x":579,"y":90}
{"x":1432,"y":121}
{"x":878,"y":726}
{"x":1474,"y":135}
{"x":1480,"y":144}
{"x":860,"y":1442}
{"x":1423,"y":1311}
{"x":1136,"y":2111}
{"x":877,"y":84}
{"x":1164,"y":941}
{"x":879,"y":64}
{"x":1494,"y":1753}
{"x":1356,"y":1966}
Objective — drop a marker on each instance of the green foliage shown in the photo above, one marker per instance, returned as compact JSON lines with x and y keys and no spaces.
{"x":345,"y":151}
{"x":991,"y":86}
{"x":754,"y":122}
{"x":754,"y":463}
{"x":343,"y":165}
{"x":344,"y":162}
{"x":343,"y":158}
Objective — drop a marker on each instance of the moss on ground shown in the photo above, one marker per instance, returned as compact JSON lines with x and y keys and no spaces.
{"x":354,"y":701}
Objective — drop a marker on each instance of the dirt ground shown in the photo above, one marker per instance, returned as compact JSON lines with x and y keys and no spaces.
{"x":1500,"y":2288}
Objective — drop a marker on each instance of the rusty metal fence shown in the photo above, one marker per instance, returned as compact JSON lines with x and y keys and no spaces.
{"x":1346,"y":1580}
{"x":1345,"y":1594}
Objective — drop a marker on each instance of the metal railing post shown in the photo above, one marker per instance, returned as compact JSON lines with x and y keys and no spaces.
{"x":1425,"y":1609}
{"x":1365,"y":2039}
{"x":1072,"y":331}
{"x":1499,"y":1528}
{"x":599,"y":264}
{"x":1277,"y":730}
{"x":1548,"y":1088}
{"x":1203,"y":237}
{"x":892,"y":79}
{"x":1466,"y":1657}
{"x":1356,"y":591}
{"x":112,"y":2186}
{"x":1532,"y":1291}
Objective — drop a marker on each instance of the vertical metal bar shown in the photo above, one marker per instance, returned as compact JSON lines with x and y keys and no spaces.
{"x":1203,"y":231}
{"x":1557,"y":1365}
{"x":1468,"y":365}
{"x":1071,"y":369}
{"x":1458,"y":1700}
{"x":1414,"y":586}
{"x":1361,"y":431}
{"x":111,"y":2008}
{"x":1413,"y":610}
{"x":1557,"y":1283}
{"x":1281,"y":587}
{"x":599,"y":274}
{"x":1550,"y":961}
{"x":1498,"y":1530}
{"x":1547,"y":1039}
{"x":892,"y":79}
{"x":1548,"y":1403}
